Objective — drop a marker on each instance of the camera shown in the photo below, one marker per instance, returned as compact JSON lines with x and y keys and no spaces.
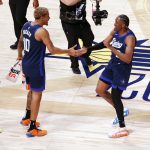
{"x":98,"y":15}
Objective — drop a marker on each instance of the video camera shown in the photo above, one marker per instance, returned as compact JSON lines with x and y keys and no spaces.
{"x":98,"y":15}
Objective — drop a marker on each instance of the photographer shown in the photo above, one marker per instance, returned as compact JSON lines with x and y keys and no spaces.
{"x":75,"y":26}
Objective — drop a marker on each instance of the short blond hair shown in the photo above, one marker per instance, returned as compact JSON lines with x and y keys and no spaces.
{"x":40,"y":12}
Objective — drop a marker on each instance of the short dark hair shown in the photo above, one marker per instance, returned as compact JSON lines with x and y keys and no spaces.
{"x":40,"y":12}
{"x":125,"y":19}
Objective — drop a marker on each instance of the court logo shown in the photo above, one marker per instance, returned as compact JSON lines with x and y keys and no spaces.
{"x":140,"y":66}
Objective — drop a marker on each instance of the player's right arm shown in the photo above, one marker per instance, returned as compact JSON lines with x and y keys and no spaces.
{"x":43,"y":35}
{"x":20,"y":47}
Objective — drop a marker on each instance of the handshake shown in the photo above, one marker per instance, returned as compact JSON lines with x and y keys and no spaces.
{"x":76,"y":53}
{"x":83,"y":50}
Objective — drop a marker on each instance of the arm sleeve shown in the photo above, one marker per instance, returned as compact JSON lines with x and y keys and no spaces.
{"x":96,"y":46}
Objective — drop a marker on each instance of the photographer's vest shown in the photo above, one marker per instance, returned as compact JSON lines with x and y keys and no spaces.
{"x":73,"y":14}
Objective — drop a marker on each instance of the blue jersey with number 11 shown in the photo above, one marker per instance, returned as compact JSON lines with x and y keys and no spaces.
{"x":34,"y":51}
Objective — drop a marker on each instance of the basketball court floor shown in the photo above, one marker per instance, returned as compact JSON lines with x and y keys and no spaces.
{"x":75,"y":118}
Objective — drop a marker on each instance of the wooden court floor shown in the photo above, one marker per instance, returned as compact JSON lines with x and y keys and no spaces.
{"x":74,"y":117}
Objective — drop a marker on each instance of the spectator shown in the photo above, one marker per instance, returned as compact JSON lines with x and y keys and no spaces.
{"x":18,"y":10}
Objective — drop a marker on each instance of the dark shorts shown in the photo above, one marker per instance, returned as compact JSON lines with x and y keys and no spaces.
{"x":35,"y":78}
{"x":116,"y":74}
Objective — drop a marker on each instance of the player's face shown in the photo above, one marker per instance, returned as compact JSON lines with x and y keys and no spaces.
{"x":118,"y":24}
{"x":46,"y":19}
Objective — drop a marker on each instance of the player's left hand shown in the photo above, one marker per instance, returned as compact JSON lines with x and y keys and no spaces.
{"x":107,"y":44}
{"x":35,"y":3}
{"x":19,"y":58}
{"x":78,"y":52}
{"x":1,"y":2}
{"x":72,"y":51}
{"x":83,"y":50}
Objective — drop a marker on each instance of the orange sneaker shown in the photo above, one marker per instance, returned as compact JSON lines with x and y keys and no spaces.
{"x":120,"y":133}
{"x":26,"y":122}
{"x":36,"y":132}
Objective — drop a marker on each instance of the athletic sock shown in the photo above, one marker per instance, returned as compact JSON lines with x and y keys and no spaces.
{"x":121,"y":124}
{"x":27,"y":115}
{"x":32,"y":125}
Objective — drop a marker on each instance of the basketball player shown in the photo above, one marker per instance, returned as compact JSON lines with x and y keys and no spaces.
{"x":34,"y":40}
{"x":117,"y":72}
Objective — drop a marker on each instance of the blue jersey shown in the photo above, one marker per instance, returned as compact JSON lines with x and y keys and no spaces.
{"x":117,"y":72}
{"x":118,"y":43}
{"x":34,"y":51}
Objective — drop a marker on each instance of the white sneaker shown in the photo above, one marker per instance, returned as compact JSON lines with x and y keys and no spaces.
{"x":119,"y":133}
{"x":125,"y":113}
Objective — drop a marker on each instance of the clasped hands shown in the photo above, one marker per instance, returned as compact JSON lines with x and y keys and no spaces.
{"x":76,"y":53}
{"x":107,"y":44}
{"x":83,"y":50}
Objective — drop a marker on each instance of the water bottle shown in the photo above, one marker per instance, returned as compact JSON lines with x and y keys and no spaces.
{"x":14,"y":71}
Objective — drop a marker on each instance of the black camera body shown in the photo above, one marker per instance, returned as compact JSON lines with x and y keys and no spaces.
{"x":98,"y":15}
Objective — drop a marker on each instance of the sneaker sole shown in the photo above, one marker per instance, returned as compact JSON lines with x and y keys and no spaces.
{"x":119,"y":135}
